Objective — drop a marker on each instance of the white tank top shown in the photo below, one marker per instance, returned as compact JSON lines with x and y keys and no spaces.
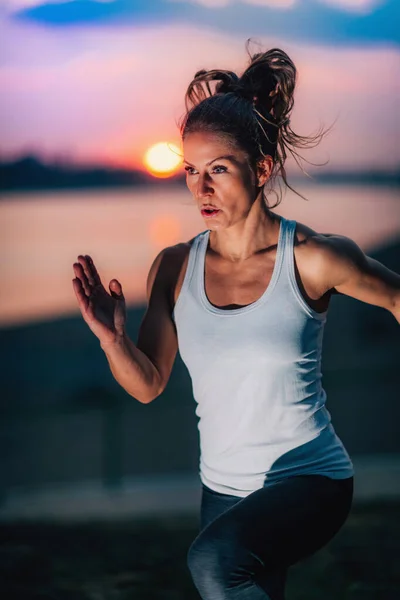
{"x":256,"y":377}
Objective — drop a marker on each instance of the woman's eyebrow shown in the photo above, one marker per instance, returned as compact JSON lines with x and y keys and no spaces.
{"x":230,"y":157}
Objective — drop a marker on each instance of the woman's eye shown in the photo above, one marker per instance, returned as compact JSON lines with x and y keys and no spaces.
{"x":217,"y":169}
{"x":189,"y":170}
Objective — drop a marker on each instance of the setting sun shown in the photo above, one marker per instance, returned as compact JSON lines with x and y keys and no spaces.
{"x":163,"y":159}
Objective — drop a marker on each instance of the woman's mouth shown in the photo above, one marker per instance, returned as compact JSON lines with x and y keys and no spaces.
{"x":209,"y":212}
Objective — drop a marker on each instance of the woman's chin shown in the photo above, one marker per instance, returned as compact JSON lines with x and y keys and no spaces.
{"x":216,"y":224}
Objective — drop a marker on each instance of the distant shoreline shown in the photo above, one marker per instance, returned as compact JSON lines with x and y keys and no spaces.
{"x":29,"y":174}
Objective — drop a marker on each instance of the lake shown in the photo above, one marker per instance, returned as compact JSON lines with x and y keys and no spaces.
{"x":42,"y":234}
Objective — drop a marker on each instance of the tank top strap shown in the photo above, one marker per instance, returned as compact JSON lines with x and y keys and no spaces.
{"x":286,"y":250}
{"x":193,"y":266}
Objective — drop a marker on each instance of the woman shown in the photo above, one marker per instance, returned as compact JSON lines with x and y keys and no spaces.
{"x":246,"y":300}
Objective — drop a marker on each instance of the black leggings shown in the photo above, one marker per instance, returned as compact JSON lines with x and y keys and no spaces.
{"x":246,"y":545}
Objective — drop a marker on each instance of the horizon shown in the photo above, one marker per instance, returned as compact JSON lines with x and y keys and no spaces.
{"x":63,"y":160}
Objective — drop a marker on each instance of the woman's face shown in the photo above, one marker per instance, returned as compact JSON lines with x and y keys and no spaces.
{"x":218,"y":176}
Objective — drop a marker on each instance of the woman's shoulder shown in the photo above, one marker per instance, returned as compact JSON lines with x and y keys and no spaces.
{"x":308,"y":238}
{"x":171,"y":264}
{"x":179,"y":252}
{"x":311,"y":252}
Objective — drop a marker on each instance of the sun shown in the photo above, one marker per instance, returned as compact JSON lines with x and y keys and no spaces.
{"x":163,"y":159}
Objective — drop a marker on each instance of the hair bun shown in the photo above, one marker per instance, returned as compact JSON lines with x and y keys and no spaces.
{"x":245,"y":92}
{"x":228,"y":82}
{"x":236,"y":87}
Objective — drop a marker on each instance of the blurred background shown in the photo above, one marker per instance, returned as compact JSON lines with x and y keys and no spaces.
{"x":91,"y":93}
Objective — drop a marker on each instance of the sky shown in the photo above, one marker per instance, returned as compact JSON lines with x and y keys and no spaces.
{"x":101,"y":81}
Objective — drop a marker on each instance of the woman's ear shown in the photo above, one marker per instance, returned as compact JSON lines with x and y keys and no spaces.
{"x":264,"y":170}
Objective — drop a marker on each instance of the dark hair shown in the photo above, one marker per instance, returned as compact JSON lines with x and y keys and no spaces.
{"x":252,"y":111}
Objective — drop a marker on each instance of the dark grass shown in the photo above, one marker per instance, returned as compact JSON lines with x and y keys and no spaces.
{"x":145,"y":559}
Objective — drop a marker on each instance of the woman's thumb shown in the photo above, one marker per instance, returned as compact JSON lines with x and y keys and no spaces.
{"x":116,"y":288}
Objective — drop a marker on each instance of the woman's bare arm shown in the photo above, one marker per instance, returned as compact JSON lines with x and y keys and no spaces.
{"x":346,"y":268}
{"x":157,"y":337}
{"x":143,"y":369}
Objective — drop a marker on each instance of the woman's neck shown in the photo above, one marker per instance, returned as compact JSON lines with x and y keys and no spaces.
{"x":258,"y":231}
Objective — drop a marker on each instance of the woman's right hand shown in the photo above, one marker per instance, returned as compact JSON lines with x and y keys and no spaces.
{"x":104,"y":313}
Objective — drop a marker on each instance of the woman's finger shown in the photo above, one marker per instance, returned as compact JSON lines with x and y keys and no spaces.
{"x":116,"y":288}
{"x":82,"y":298}
{"x":85,"y":266}
{"x":93,"y":271}
{"x":80,"y":273}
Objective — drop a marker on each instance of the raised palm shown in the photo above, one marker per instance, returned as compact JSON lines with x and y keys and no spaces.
{"x":104,"y":313}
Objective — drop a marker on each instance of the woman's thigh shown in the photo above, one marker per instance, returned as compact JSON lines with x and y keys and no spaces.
{"x":280,"y":523}
{"x":213,"y":504}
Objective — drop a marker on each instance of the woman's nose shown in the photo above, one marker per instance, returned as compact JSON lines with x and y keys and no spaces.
{"x":204,"y":187}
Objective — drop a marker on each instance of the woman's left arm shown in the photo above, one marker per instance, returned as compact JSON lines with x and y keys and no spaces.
{"x":351,"y":272}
